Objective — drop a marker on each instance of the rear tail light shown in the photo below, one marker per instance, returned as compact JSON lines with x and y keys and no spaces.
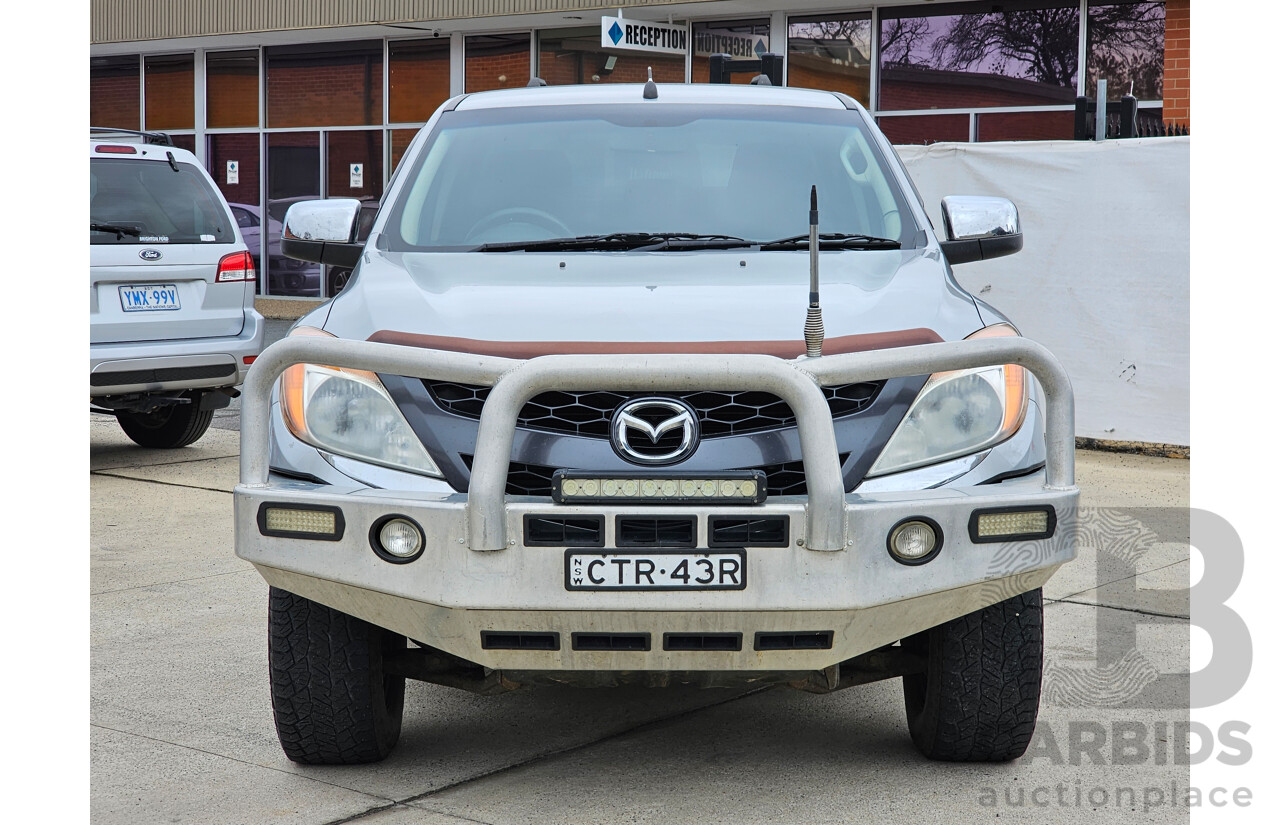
{"x":111,"y":149}
{"x":238,"y":266}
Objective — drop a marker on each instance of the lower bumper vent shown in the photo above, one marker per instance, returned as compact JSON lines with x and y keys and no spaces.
{"x":702,"y":641}
{"x":518,"y":640}
{"x":816,"y":640}
{"x":610,"y":641}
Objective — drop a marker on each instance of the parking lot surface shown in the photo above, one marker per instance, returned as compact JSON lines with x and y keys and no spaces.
{"x":181,"y":727}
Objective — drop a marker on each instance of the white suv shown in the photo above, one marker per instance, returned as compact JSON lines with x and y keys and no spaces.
{"x":172,"y":328}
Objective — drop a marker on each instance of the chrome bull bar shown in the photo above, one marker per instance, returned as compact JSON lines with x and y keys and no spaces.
{"x":797,"y":382}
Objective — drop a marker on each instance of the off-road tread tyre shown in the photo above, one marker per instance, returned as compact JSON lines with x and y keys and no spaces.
{"x":333,"y":702}
{"x":978,"y":699}
{"x":167,"y":428}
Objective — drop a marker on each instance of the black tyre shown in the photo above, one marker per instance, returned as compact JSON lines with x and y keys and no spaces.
{"x":334,"y":703}
{"x":176,"y":425}
{"x":978,"y":697}
{"x":338,"y":278}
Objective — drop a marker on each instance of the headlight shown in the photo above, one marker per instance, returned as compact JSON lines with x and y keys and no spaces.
{"x":958,"y":413}
{"x":349,"y":413}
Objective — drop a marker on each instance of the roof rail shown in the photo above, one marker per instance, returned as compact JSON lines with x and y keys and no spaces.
{"x":156,"y":138}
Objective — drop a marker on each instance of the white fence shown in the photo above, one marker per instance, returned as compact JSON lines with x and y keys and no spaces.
{"x":1103,"y":279}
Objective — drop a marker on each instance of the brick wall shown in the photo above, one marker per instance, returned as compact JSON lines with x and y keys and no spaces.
{"x":113,"y":100}
{"x":808,"y":72}
{"x":231,"y":98}
{"x":171,"y":95}
{"x":340,"y":90}
{"x":419,"y":79}
{"x":1177,"y":61}
{"x":497,"y":71}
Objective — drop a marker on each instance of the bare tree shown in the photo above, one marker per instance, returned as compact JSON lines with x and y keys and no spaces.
{"x":1038,"y":44}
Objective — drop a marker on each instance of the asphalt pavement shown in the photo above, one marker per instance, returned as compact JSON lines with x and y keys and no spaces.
{"x":181,"y":726}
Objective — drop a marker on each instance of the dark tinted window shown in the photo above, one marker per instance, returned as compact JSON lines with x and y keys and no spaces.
{"x":943,"y":57}
{"x":1126,"y":45}
{"x":163,"y":205}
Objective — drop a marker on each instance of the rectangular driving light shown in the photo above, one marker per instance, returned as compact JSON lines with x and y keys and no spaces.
{"x":1012,"y":523}
{"x":734,"y":487}
{"x":301,"y":521}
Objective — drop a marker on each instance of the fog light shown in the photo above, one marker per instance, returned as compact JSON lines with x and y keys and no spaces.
{"x":397,"y":539}
{"x":300,"y":521}
{"x":1011,"y":523}
{"x":915,"y":540}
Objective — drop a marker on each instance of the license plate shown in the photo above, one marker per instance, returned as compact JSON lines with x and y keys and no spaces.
{"x":656,"y":570}
{"x":149,"y":297}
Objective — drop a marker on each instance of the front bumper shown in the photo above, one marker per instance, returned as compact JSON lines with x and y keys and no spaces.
{"x":835,"y":579}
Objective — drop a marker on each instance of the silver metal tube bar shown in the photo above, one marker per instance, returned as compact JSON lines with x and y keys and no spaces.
{"x":515,"y":382}
{"x":486,"y":515}
{"x":1060,"y":418}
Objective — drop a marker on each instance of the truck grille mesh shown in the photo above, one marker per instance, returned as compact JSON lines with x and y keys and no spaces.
{"x":588,"y":413}
{"x":535,"y":479}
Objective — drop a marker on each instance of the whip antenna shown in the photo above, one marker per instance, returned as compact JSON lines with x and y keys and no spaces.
{"x":813,"y":332}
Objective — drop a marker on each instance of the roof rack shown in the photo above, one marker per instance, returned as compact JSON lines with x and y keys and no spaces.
{"x":156,"y":138}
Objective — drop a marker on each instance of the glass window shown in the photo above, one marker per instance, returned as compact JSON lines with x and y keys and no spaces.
{"x":745,"y":39}
{"x":336,"y":84}
{"x":493,"y":176}
{"x":419,"y":78}
{"x":114,"y":92}
{"x":355,"y":165}
{"x":944,"y":58}
{"x":1126,"y":45}
{"x":496,"y":61}
{"x":231,"y":89}
{"x":567,"y":56}
{"x":920,"y":129}
{"x":400,"y":140}
{"x":161,"y":205}
{"x":1026,"y":126}
{"x":293,"y":174}
{"x":233,"y":164}
{"x":171,"y":91}
{"x":831,"y":53}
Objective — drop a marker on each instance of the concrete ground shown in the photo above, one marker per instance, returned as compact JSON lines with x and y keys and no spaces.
{"x":181,"y":727}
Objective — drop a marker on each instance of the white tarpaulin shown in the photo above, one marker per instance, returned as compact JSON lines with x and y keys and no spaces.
{"x":1103,"y":279}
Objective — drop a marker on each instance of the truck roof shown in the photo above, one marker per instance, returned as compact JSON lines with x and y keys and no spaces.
{"x":613,"y":93}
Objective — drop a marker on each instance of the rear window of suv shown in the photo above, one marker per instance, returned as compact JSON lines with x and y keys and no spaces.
{"x":160,"y":204}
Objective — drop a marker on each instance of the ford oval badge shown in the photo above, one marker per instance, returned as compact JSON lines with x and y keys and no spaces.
{"x":150,"y":255}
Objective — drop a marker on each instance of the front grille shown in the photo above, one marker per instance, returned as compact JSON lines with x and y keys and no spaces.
{"x":535,"y":479}
{"x":588,"y":413}
{"x":156,"y":376}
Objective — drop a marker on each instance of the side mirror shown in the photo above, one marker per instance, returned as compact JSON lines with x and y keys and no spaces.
{"x":323,"y":231}
{"x":979,"y":228}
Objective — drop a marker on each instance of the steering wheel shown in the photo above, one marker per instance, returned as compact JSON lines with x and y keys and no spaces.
{"x":520,"y":214}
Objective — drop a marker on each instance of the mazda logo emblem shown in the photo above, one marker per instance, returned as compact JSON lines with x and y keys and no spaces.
{"x":654,"y":431}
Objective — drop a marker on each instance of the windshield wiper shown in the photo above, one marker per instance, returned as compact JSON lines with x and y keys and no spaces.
{"x":836,"y":240}
{"x":119,"y":230}
{"x":621,"y":241}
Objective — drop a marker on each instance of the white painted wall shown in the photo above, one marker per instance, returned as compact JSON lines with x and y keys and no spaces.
{"x":1103,"y":279}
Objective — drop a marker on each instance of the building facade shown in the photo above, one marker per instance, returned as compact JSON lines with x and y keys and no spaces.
{"x":297,"y":99}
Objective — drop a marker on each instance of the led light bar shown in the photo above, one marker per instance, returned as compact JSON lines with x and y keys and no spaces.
{"x":1012,"y":523}
{"x":736,"y":487}
{"x":301,"y":521}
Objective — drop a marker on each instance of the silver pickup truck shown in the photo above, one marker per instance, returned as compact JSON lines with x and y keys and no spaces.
{"x":654,"y":385}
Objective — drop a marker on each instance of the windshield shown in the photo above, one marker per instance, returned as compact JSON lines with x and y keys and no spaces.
{"x":135,"y":201}
{"x":536,"y":173}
